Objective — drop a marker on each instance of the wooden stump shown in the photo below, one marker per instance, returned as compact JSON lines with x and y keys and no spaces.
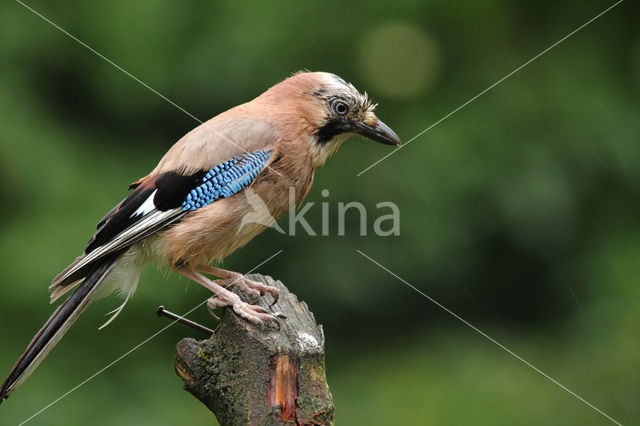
{"x":261,"y":375}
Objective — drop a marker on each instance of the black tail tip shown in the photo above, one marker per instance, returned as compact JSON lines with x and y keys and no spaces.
{"x":3,"y":395}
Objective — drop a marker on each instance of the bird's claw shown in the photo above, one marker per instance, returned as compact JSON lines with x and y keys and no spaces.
{"x":276,"y":296}
{"x":211,"y":308}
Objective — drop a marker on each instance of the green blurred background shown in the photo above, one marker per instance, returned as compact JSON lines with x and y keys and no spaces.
{"x":521,"y":212}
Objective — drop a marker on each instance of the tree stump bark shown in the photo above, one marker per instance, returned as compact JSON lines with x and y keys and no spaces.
{"x":248,"y":374}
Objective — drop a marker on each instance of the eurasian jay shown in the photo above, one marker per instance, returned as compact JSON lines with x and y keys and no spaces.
{"x":188,"y":211}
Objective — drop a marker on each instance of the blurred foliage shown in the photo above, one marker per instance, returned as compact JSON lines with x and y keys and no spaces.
{"x":521,"y":212}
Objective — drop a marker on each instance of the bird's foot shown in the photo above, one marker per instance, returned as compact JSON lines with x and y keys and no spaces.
{"x":253,"y":313}
{"x":253,"y":288}
{"x":224,"y":297}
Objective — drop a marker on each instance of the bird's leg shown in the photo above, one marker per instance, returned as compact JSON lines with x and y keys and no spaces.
{"x":250,"y":287}
{"x":224,"y":297}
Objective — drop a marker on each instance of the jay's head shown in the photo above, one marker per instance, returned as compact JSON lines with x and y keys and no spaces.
{"x":330,"y":110}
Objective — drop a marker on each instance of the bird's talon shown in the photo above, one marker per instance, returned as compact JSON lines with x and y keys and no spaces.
{"x":276,"y":297}
{"x":277,"y":323}
{"x":261,"y":310}
{"x":213,"y":314}
{"x":212,"y":304}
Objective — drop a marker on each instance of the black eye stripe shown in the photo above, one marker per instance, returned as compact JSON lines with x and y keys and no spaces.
{"x":330,"y":129}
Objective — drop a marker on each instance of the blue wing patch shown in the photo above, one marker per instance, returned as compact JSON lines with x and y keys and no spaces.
{"x":226,"y":179}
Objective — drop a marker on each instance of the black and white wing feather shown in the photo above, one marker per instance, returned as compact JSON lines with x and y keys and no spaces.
{"x":158,"y":202}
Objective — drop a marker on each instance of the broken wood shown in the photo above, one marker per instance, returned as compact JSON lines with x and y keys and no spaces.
{"x":261,"y":375}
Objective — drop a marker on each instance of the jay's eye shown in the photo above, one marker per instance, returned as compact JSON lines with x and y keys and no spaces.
{"x":340,"y":108}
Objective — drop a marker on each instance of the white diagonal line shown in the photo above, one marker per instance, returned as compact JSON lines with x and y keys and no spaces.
{"x":136,"y":79}
{"x":109,"y":61}
{"x":491,"y":339}
{"x":94,"y":375}
{"x":492,"y":86}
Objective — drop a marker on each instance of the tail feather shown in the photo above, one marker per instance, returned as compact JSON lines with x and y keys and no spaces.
{"x":51,"y":333}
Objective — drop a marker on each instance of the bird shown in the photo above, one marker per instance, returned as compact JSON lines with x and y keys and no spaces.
{"x":188,"y":211}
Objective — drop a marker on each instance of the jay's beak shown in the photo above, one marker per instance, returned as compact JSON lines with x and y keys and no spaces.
{"x":378,"y":132}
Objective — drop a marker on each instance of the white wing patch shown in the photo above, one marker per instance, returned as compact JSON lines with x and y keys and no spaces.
{"x":146,"y":207}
